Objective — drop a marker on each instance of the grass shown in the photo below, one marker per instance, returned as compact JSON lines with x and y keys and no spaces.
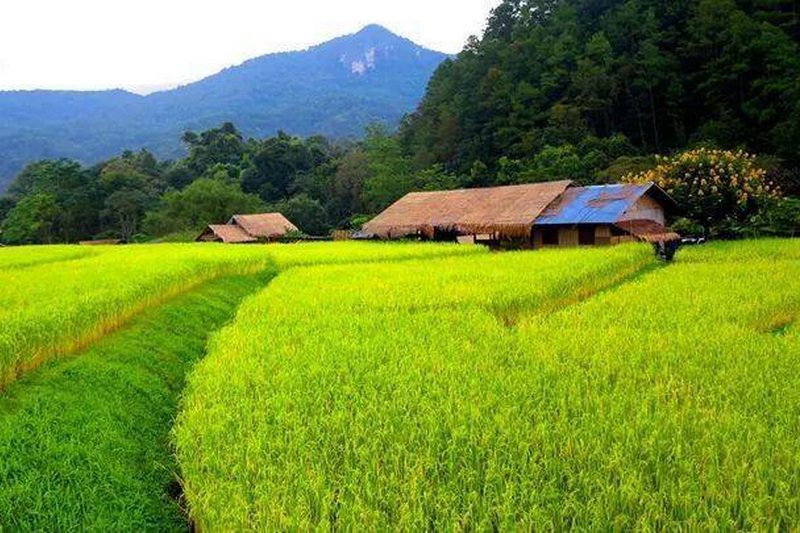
{"x":392,"y":397}
{"x":288,"y":256}
{"x":54,"y":308}
{"x":84,"y":441}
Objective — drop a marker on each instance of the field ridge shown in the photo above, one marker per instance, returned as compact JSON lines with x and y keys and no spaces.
{"x":512,"y":313}
{"x":84,"y":441}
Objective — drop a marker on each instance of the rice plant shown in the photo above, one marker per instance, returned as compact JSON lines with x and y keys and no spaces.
{"x":52,"y":305}
{"x":378,"y":397}
{"x":25,"y":256}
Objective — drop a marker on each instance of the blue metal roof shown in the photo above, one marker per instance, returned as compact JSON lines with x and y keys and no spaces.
{"x":599,"y":204}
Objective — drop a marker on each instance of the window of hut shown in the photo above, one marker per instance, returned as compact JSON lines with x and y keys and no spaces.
{"x":586,"y":235}
{"x":550,"y":236}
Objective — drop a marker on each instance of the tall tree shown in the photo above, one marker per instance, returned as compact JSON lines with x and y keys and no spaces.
{"x":32,"y":221}
{"x":205,"y":201}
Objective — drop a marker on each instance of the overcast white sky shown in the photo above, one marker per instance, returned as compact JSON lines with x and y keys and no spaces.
{"x":98,"y":44}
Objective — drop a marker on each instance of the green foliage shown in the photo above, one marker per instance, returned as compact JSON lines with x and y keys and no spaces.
{"x":347,"y":190}
{"x":6,"y":205}
{"x":126,"y":207}
{"x":223,"y":145}
{"x":662,"y":74}
{"x":32,"y":220}
{"x":204,"y":202}
{"x":781,"y":218}
{"x":67,"y":205}
{"x":390,"y":171}
{"x":305,"y":212}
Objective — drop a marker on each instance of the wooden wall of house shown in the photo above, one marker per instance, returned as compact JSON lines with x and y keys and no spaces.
{"x":537,"y":238}
{"x":646,"y":208}
{"x":602,"y":235}
{"x":570,"y":236}
{"x":567,"y":237}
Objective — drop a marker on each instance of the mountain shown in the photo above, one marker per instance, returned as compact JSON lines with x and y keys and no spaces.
{"x":333,"y":89}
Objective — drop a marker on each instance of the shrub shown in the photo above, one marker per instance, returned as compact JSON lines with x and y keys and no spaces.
{"x":719,"y":190}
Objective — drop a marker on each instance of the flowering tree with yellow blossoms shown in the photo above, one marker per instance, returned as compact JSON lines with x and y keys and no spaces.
{"x":718,"y":189}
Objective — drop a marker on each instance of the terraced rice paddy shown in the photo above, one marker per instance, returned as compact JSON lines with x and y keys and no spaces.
{"x":402,"y":387}
{"x":59,"y":299}
{"x":402,"y":396}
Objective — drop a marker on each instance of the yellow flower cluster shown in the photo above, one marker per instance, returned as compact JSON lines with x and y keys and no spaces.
{"x":710,"y":175}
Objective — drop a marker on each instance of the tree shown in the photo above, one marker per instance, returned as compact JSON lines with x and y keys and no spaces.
{"x":126,"y":209}
{"x":31,"y":221}
{"x":219,"y":145}
{"x":205,"y":201}
{"x":6,"y":205}
{"x":75,"y":191}
{"x":665,"y":75}
{"x":347,"y":187}
{"x":389,"y":170}
{"x":275,"y":163}
{"x":305,"y":212}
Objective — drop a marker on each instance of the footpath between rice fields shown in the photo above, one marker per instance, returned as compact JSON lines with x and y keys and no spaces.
{"x":84,"y":441}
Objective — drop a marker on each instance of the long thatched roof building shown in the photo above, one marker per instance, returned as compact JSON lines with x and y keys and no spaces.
{"x":242,"y":229}
{"x":509,"y":210}
{"x":558,"y":213}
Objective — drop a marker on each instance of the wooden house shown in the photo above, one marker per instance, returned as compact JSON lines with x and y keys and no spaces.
{"x":605,"y":214}
{"x":558,"y":213}
{"x":243,"y":229}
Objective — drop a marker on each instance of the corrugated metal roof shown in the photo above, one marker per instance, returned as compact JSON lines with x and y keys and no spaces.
{"x":598,"y":204}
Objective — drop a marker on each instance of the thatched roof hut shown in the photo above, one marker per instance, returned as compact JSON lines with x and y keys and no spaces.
{"x":243,"y":229}
{"x":264,"y":226}
{"x":226,"y":233}
{"x":507,"y":211}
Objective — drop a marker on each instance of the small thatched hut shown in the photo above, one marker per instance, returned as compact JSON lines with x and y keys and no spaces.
{"x":242,"y":229}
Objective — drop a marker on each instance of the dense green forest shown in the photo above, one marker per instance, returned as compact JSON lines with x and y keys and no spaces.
{"x":589,"y":90}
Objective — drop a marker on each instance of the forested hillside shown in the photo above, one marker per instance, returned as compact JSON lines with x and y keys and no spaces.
{"x":575,"y":84}
{"x":334,"y":89}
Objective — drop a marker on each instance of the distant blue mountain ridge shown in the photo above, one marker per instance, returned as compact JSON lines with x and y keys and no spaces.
{"x":334,"y":89}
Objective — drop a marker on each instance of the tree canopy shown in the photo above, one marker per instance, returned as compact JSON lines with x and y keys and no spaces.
{"x":657,"y":75}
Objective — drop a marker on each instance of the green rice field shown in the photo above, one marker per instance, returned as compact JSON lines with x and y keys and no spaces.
{"x":362,"y":386}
